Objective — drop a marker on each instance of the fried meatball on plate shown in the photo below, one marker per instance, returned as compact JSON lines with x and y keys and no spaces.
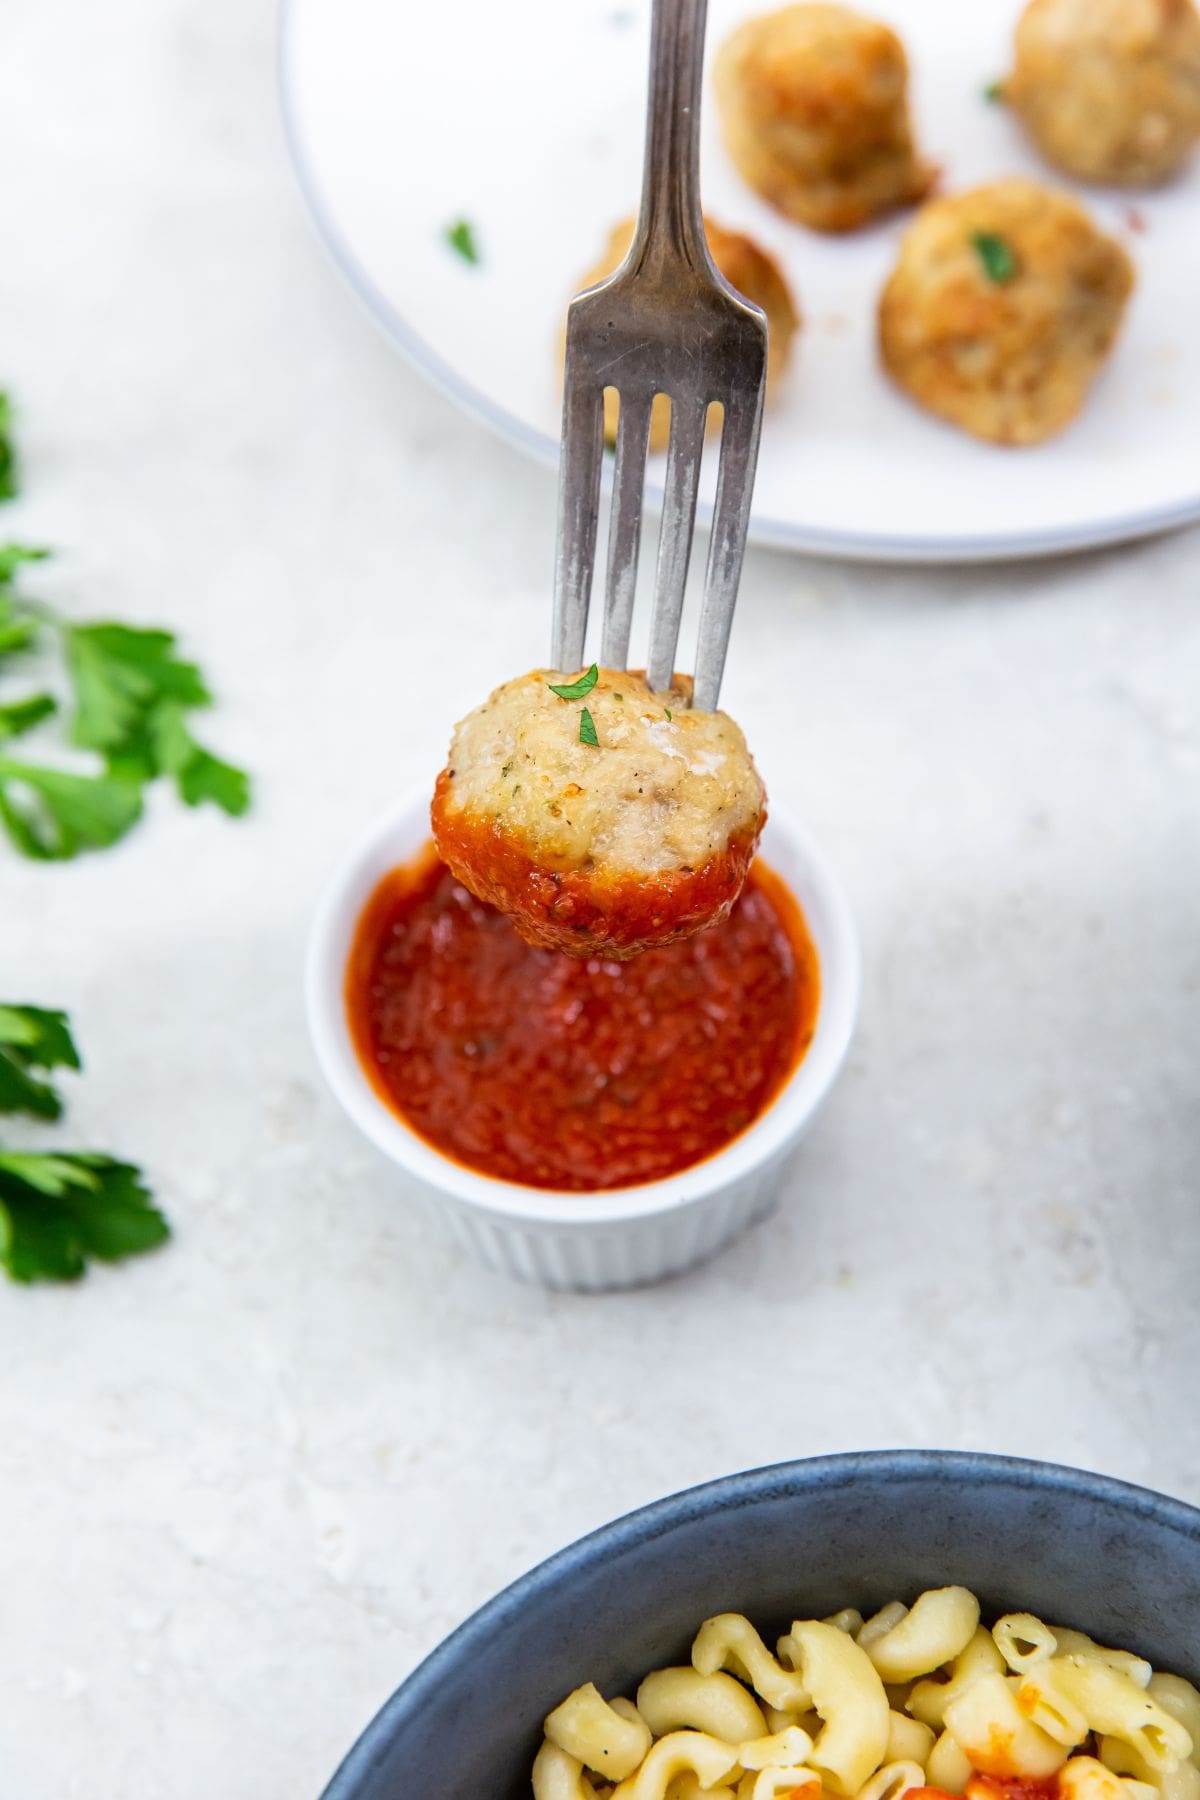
{"x":607,"y":849}
{"x":814,"y":107}
{"x":1002,"y":308}
{"x":1109,"y":89}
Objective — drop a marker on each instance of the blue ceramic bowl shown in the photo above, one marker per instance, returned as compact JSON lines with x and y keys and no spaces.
{"x":798,"y":1539}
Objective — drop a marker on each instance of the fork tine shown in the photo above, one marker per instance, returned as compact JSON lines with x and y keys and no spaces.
{"x":578,"y":510}
{"x":625,"y":528}
{"x":727,"y":544}
{"x":688,"y":420}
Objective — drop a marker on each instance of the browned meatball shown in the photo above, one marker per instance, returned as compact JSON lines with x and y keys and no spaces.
{"x":1001,"y":309}
{"x":606,"y":848}
{"x":1109,"y":89}
{"x":814,"y":106}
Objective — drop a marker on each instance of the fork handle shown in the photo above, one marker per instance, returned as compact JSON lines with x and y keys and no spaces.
{"x":670,"y":217}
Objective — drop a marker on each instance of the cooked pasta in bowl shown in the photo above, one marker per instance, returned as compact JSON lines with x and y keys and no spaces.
{"x":922,"y":1699}
{"x":865,"y":1627}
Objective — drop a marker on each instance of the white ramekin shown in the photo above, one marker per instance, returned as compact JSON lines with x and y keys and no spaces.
{"x":627,"y":1235}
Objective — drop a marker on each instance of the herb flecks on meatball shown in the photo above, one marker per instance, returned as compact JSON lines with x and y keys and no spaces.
{"x":641,"y":837}
{"x":1002,"y":308}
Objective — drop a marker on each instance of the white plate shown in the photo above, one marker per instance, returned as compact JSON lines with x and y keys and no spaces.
{"x":525,"y":117}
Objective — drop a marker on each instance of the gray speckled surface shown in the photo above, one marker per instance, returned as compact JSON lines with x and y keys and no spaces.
{"x":246,"y":1484}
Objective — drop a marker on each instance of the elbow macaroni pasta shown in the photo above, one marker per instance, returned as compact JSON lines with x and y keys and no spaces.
{"x":1087,"y":1691}
{"x":679,"y":1753}
{"x":929,"y":1699}
{"x":557,"y":1776}
{"x":673,"y":1698}
{"x":938,"y":1628}
{"x":1023,"y":1641}
{"x":996,"y":1736}
{"x":611,"y":1740}
{"x":907,"y":1740}
{"x":730,"y":1642}
{"x":849,"y":1696}
{"x":914,"y":1700}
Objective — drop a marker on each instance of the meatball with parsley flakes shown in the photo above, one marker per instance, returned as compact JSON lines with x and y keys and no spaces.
{"x":1002,"y":308}
{"x":1109,"y":89}
{"x":604,"y":818}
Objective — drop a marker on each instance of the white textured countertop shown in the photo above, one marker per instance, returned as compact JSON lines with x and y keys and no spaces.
{"x":247,"y":1482}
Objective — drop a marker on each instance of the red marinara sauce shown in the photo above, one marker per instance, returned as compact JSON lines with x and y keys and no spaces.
{"x":558,"y":1072}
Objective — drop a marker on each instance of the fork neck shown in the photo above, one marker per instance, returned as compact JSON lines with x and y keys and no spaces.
{"x":670,"y":217}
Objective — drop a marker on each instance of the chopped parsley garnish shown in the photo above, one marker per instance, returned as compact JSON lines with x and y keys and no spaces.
{"x":667,"y":710}
{"x":997,"y":256}
{"x":993,"y":93}
{"x":587,"y":730}
{"x":461,"y":238}
{"x":58,"y":1209}
{"x":506,"y":771}
{"x":575,"y":690}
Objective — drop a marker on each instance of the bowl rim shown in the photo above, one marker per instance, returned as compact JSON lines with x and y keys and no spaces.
{"x":399,"y":833}
{"x":646,"y":1523}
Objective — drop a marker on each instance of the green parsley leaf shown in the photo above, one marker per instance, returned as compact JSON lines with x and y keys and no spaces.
{"x":13,"y":555}
{"x":199,"y":775}
{"x":575,"y":690}
{"x":997,"y":256}
{"x":993,"y":93}
{"x":22,"y":715}
{"x":461,"y":238}
{"x":33,"y":1037}
{"x":587,"y":730}
{"x":58,"y":1211}
{"x":132,"y":693}
{"x":16,"y":633}
{"x":119,"y":674}
{"x":8,"y":455}
{"x":207,"y":777}
{"x":52,"y":814}
{"x":667,"y":710}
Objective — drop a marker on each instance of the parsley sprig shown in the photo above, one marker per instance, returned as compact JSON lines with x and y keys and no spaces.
{"x":129,"y":700}
{"x":61,"y":1209}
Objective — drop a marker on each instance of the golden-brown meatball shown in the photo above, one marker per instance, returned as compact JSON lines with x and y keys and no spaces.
{"x":746,"y":267}
{"x":1002,"y":306}
{"x":1109,"y":89}
{"x":814,"y":107}
{"x":599,"y":849}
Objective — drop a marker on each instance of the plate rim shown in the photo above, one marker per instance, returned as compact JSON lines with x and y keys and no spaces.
{"x":778,"y":534}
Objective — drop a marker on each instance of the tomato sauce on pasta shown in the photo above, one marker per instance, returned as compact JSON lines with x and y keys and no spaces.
{"x":557,"y":1072}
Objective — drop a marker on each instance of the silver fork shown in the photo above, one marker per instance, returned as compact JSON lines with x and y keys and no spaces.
{"x":666,"y":322}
